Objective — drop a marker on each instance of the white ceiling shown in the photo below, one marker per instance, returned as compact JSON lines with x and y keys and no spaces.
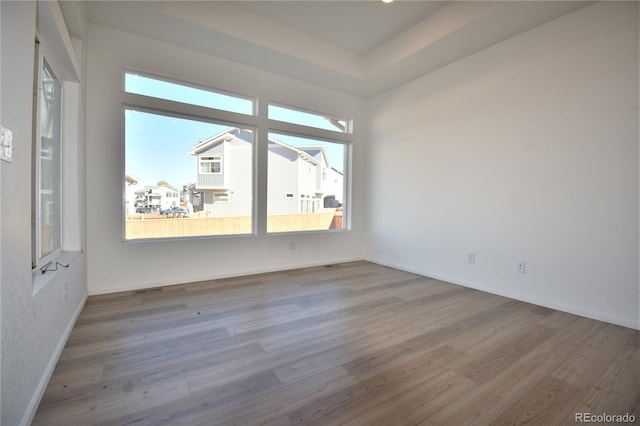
{"x":357,"y":26}
{"x":358,"y":47}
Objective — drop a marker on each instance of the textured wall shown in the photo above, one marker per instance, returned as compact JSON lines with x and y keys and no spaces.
{"x":33,"y":326}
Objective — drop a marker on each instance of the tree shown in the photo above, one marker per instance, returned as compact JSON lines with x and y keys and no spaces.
{"x":163,"y":183}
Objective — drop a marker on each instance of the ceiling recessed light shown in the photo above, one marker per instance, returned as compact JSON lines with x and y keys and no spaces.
{"x":387,"y":1}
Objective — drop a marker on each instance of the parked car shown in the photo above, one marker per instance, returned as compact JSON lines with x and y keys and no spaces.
{"x":175,"y":212}
{"x":331,"y":202}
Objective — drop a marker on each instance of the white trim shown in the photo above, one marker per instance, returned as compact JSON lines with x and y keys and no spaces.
{"x":320,"y":115}
{"x":188,"y":85}
{"x":32,"y":408}
{"x":54,"y":36}
{"x":282,"y":268}
{"x":571,"y":309}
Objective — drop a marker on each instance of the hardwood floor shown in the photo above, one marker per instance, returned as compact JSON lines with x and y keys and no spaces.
{"x":355,"y":344}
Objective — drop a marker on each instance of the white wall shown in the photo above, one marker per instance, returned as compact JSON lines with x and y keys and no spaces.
{"x":34,"y":326}
{"x":114,"y":265}
{"x":527,"y":151}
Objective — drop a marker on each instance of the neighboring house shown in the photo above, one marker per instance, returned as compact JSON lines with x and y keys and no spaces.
{"x":299,"y":177}
{"x":130,"y":193}
{"x":329,"y":180}
{"x":224,"y":166}
{"x":335,"y":184}
{"x":156,"y":198}
{"x":292,"y":176}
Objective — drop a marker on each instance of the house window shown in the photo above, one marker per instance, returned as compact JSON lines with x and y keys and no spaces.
{"x":47,"y":171}
{"x":204,"y":141}
{"x":297,"y":163}
{"x":211,"y":165}
{"x":165,"y":150}
{"x":180,"y":133}
{"x":221,"y":197}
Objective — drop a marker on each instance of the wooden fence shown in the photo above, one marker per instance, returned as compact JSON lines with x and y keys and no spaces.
{"x":156,"y":226}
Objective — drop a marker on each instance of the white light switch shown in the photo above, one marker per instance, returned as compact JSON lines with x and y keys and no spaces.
{"x":6,"y":143}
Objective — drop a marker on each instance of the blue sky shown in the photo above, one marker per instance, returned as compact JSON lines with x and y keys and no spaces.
{"x":157,"y":147}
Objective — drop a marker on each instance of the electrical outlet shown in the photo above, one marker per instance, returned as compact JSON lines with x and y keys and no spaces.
{"x":521,"y":267}
{"x":471,"y":258}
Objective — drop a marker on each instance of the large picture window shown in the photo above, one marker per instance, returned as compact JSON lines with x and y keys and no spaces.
{"x":201,"y":144}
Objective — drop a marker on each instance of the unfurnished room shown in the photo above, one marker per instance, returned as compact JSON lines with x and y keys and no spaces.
{"x":319,"y":212}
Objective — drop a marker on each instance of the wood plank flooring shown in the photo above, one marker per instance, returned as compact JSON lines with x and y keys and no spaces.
{"x":353,"y":344}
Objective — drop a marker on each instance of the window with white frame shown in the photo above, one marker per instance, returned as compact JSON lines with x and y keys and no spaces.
{"x":172,"y":126}
{"x":182,"y":135}
{"x":47,"y":185}
{"x":304,"y":147}
{"x":56,"y":235}
{"x":211,"y":165}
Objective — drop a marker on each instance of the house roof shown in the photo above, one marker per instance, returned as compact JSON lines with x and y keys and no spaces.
{"x":206,"y":144}
{"x":298,"y":150}
{"x":314,"y":150}
{"x":306,"y":152}
{"x":155,"y":188}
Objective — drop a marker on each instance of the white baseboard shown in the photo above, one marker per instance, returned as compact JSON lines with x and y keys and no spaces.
{"x":575,"y":310}
{"x":281,"y":268}
{"x":30,"y":413}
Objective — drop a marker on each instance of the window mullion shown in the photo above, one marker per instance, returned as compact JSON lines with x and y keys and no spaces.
{"x":178,"y":109}
{"x":306,"y":131}
{"x":37,"y":148}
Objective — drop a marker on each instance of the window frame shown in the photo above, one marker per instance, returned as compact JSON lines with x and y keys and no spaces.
{"x":259,"y":123}
{"x":167,"y":108}
{"x":38,"y":259}
{"x":190,"y":85}
{"x":211,"y":160}
{"x":52,"y":40}
{"x":326,"y":136}
{"x":348,"y":122}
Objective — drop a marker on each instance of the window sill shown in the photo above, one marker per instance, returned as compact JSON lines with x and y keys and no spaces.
{"x":39,"y":279}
